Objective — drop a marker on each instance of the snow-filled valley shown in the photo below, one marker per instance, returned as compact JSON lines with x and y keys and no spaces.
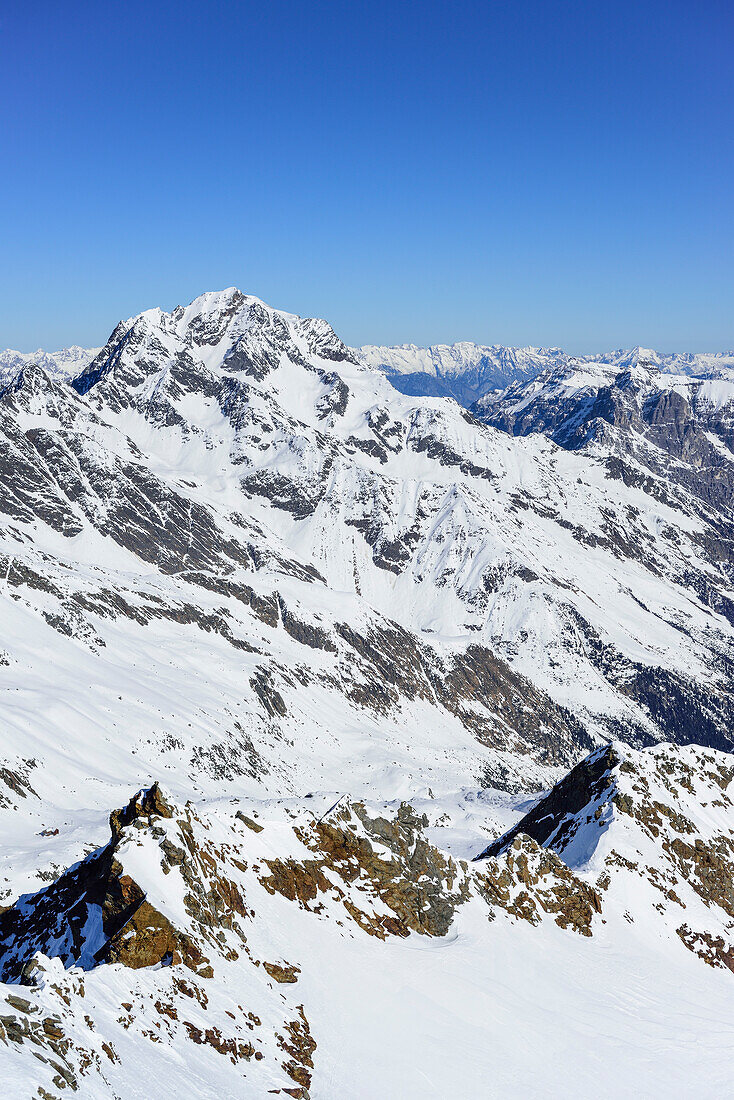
{"x":414,"y":721}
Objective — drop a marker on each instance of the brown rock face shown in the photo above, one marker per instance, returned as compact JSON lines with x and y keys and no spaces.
{"x":712,"y":949}
{"x":420,"y":885}
{"x":709,"y":869}
{"x":285,"y":975}
{"x":249,"y":822}
{"x":133,"y":931}
{"x":147,"y":938}
{"x":300,"y":1045}
{"x":145,"y":804}
{"x":549,"y":886}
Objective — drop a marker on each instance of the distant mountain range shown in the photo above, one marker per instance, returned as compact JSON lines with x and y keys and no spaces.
{"x":467,"y":371}
{"x":464,"y":371}
{"x":66,"y":363}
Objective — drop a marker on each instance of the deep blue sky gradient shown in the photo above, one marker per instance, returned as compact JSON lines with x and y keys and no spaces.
{"x":522,"y":173}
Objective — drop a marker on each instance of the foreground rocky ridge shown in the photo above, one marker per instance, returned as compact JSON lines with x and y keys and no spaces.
{"x":201,"y":920}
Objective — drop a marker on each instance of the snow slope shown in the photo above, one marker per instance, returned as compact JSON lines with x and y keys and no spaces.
{"x":357,"y":576}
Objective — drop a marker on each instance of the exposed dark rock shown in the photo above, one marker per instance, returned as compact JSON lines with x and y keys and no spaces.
{"x":96,"y":901}
{"x":553,"y":817}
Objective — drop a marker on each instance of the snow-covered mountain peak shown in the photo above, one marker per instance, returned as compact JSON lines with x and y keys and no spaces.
{"x":227,"y":416}
{"x":339,"y":639}
{"x":631,"y":357}
{"x":226,"y":333}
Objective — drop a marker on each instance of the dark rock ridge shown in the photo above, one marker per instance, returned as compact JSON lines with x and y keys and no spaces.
{"x":95,"y":912}
{"x":553,"y":820}
{"x":645,"y":815}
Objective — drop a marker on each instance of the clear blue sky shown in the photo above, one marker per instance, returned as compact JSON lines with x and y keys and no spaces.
{"x":515,"y":172}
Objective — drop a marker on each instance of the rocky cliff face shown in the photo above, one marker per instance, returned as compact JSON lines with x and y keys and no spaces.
{"x":680,"y":428}
{"x":657,"y":821}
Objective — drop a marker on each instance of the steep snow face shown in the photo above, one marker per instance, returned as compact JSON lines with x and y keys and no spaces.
{"x":467,"y":372}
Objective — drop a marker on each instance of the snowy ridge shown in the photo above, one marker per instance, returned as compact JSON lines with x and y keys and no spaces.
{"x":256,"y":946}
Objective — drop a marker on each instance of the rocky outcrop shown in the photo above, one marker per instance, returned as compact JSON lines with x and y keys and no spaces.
{"x":532,"y":881}
{"x":217,"y":903}
{"x":422,"y":888}
{"x":555,"y":819}
{"x":96,"y":912}
{"x":642,"y":815}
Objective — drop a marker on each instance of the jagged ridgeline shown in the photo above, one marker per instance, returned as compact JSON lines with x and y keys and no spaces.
{"x":357,"y":636}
